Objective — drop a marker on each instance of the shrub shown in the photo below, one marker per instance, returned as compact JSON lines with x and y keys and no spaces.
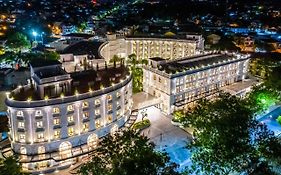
{"x":141,"y":125}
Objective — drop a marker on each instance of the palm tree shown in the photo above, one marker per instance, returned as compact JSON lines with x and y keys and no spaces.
{"x":132,"y":60}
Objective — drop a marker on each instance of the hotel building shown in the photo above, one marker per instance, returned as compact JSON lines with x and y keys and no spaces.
{"x":145,"y":47}
{"x":178,"y":83}
{"x":58,"y":118}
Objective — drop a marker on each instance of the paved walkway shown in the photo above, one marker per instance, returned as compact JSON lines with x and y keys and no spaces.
{"x":167,"y":137}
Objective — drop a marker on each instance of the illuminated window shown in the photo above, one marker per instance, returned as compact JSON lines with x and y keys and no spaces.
{"x":41,"y":151}
{"x":39,"y":124}
{"x":21,"y":125}
{"x":118,"y":114}
{"x":109,"y":118}
{"x":20,"y":113}
{"x":40,"y":136}
{"x":85,"y":115}
{"x":56,"y":121}
{"x":70,"y":131}
{"x":97,"y":102}
{"x":109,"y":97}
{"x":70,"y":118}
{"x":154,"y":77}
{"x":38,"y":113}
{"x":118,"y":94}
{"x":22,"y":137}
{"x":85,"y":104}
{"x":109,"y":107}
{"x":57,"y":134}
{"x":98,"y":123}
{"x":70,"y":108}
{"x":97,"y":112}
{"x":117,"y":103}
{"x":56,"y":110}
{"x":85,"y":127}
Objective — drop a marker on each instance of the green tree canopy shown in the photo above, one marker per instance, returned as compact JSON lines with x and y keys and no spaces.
{"x":17,"y":41}
{"x":10,"y":166}
{"x":128,"y":153}
{"x":229,"y":140}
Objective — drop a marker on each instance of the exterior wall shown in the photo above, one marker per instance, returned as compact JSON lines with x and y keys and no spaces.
{"x":36,"y":128}
{"x":185,"y":87}
{"x":145,"y":48}
{"x":164,"y":48}
{"x":158,"y":86}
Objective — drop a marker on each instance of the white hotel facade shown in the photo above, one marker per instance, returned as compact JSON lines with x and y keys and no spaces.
{"x":59,"y":117}
{"x":178,"y":83}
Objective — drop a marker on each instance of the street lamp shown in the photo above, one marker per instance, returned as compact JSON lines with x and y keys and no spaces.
{"x":34,"y":34}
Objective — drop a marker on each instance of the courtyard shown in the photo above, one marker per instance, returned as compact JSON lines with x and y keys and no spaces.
{"x":167,"y":137}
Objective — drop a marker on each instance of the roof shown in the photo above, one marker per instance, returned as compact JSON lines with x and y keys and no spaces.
{"x":81,"y":82}
{"x":195,"y":62}
{"x":84,"y":47}
{"x":50,"y":72}
{"x":43,"y":62}
{"x":80,"y":35}
{"x":157,"y":59}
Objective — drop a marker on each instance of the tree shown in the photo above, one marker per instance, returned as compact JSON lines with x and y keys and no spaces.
{"x":273,"y":81}
{"x":128,"y":153}
{"x":10,"y":166}
{"x":132,"y":60}
{"x":17,"y":41}
{"x":262,"y":97}
{"x":229,"y":140}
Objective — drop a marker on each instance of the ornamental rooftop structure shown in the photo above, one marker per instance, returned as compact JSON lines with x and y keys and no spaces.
{"x":182,"y":81}
{"x":59,"y":117}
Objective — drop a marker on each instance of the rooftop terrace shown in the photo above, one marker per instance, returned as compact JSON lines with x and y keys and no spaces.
{"x":82,"y":82}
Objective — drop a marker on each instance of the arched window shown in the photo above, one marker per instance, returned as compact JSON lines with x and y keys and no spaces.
{"x":65,"y":150}
{"x":41,"y":151}
{"x":38,"y":113}
{"x":23,"y":153}
{"x":93,"y":141}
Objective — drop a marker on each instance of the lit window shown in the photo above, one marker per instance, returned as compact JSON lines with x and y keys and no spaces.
{"x":70,"y":118}
{"x":117,"y":103}
{"x":154,"y":77}
{"x":86,"y":115}
{"x":97,"y":111}
{"x":56,"y":110}
{"x":57,"y":134}
{"x":70,"y":131}
{"x":70,"y":108}
{"x":109,"y":107}
{"x":22,"y":137}
{"x":109,"y":97}
{"x":85,"y":127}
{"x":85,"y":104}
{"x":40,"y":136}
{"x":20,"y":113}
{"x":98,"y":123}
{"x":39,"y":124}
{"x":21,"y":125}
{"x":118,"y":114}
{"x":118,"y":94}
{"x":109,"y":119}
{"x":97,"y":102}
{"x":56,"y":121}
{"x":38,"y":113}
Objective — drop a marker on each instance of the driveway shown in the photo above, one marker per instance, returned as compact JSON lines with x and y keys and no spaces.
{"x":167,"y":137}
